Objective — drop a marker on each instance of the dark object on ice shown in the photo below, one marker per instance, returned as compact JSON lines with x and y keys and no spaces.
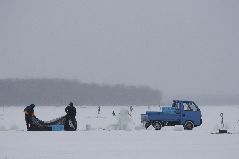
{"x":113,"y":113}
{"x":69,"y":124}
{"x":222,"y":131}
{"x":29,"y":112}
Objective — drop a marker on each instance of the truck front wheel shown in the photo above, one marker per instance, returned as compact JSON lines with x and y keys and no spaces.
{"x":157,"y":125}
{"x":188,"y":125}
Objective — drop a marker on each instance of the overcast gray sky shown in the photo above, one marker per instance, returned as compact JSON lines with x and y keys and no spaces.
{"x":177,"y":46}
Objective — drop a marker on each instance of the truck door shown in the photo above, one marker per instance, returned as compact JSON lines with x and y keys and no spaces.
{"x":191,"y":112}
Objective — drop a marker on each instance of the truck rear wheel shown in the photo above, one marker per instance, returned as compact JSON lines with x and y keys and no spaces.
{"x":188,"y":125}
{"x":157,"y":125}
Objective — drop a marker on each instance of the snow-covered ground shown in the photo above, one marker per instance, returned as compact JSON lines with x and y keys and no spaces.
{"x":99,"y":136}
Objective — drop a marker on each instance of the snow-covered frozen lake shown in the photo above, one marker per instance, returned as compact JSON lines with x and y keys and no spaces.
{"x":102,"y":140}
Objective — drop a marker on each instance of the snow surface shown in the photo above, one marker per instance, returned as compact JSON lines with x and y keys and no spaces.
{"x":102,"y":136}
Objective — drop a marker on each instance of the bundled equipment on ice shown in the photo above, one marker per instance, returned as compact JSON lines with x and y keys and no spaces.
{"x":67,"y":122}
{"x":58,"y":124}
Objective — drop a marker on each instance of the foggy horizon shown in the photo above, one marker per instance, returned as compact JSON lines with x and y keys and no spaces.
{"x":185,"y":48}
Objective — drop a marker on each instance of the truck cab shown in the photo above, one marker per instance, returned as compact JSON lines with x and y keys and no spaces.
{"x":182,"y":112}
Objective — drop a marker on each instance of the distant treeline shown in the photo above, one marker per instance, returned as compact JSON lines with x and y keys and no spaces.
{"x":61,"y":92}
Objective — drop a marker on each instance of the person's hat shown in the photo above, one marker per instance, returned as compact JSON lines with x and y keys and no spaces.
{"x":32,"y":105}
{"x":71,"y":104}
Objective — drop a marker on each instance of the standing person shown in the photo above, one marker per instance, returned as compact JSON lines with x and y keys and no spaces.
{"x":98,"y":109}
{"x":29,"y":112}
{"x":113,"y":113}
{"x":71,"y":123}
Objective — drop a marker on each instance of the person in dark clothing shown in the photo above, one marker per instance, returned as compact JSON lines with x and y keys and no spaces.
{"x":70,"y":115}
{"x":98,"y":109}
{"x":29,"y":112}
{"x":113,"y":113}
{"x":70,"y":110}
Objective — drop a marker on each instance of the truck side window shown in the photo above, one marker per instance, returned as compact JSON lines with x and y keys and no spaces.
{"x":187,"y":107}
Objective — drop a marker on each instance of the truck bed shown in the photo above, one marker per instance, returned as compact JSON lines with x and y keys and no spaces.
{"x":159,"y":116}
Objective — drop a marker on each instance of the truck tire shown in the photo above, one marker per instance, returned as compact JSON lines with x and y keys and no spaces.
{"x":157,"y":125}
{"x":188,"y":125}
{"x":147,"y":124}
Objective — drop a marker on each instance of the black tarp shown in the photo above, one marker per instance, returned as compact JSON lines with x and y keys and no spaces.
{"x":70,"y":123}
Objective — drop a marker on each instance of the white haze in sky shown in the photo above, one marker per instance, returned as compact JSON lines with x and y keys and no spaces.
{"x":180,"y":47}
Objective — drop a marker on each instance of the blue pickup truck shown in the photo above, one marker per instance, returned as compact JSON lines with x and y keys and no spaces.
{"x":181,"y":112}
